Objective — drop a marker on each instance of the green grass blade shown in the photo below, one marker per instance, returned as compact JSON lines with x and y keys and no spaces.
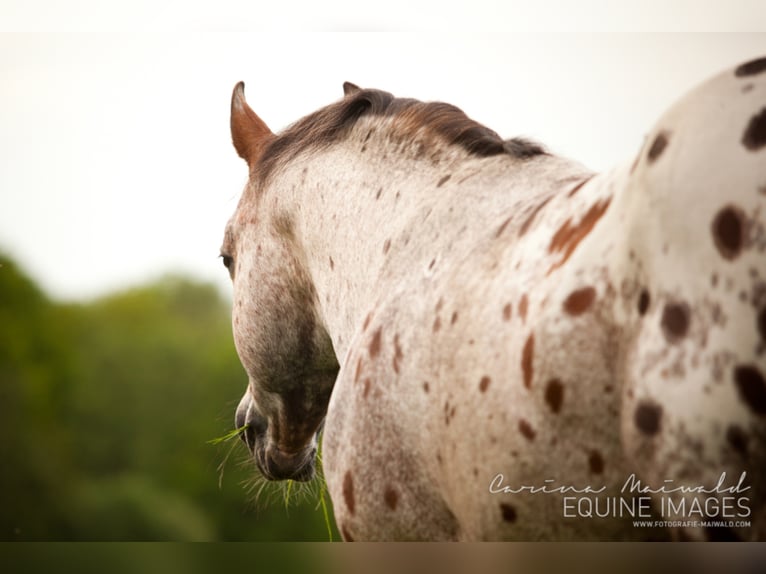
{"x":287,"y":493}
{"x":323,"y":503}
{"x":228,"y":436}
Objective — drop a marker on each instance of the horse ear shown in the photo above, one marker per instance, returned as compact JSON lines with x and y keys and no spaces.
{"x":249,"y":133}
{"x":350,"y":89}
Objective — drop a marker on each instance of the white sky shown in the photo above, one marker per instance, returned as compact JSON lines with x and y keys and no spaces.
{"x":115,"y":157}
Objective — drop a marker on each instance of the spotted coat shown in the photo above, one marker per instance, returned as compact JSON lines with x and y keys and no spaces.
{"x":453,"y":309}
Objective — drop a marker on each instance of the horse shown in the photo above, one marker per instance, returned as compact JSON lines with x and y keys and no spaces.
{"x":495,"y":342}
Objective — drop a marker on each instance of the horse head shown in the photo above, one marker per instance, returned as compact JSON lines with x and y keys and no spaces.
{"x":278,"y":333}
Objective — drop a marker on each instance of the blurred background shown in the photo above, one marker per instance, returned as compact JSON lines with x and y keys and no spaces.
{"x":117,"y":175}
{"x":106,"y":413}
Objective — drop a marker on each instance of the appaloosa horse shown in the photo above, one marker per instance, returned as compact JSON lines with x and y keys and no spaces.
{"x":499,"y":343}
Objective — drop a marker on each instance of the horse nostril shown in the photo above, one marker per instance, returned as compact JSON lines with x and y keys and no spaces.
{"x":251,"y":427}
{"x":248,"y":436}
{"x":248,"y":420}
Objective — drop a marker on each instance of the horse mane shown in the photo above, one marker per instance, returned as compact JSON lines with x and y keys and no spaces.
{"x":445,"y":121}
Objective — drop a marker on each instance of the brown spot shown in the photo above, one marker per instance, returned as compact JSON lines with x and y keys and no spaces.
{"x":569,"y":235}
{"x":348,"y":492}
{"x":729,"y":231}
{"x":284,"y":226}
{"x":484,"y":383}
{"x":531,"y":217}
{"x":426,"y":387}
{"x":526,"y":429}
{"x":658,"y":146}
{"x":752,"y":387}
{"x":595,"y":462}
{"x":391,"y":497}
{"x":737,"y":439}
{"x":374,"y":347}
{"x":431,"y":265}
{"x":454,"y":318}
{"x":554,"y":395}
{"x":643,"y":302}
{"x":437,"y":325}
{"x":579,"y":301}
{"x":366,"y":390}
{"x":332,"y":263}
{"x":523,"y":307}
{"x":346,"y":536}
{"x":647,"y":418}
{"x":508,"y":512}
{"x":386,"y":246}
{"x":502,"y":227}
{"x":367,"y":321}
{"x":398,"y":355}
{"x":507,"y":311}
{"x":751,"y":68}
{"x":747,"y":88}
{"x":675,"y":321}
{"x":443,"y":180}
{"x":761,"y":320}
{"x":527,"y":357}
{"x":358,"y":370}
{"x":754,"y":137}
{"x":380,"y":192}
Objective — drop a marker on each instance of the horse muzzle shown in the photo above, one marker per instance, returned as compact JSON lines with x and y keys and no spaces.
{"x":273,"y":462}
{"x":278,"y":465}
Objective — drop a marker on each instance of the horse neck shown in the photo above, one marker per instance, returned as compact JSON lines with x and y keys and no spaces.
{"x":369,"y":211}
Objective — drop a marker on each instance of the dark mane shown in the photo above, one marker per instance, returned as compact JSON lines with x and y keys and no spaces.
{"x":449,"y":123}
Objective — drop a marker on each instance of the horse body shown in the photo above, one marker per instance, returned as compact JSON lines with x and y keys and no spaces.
{"x":501,"y":317}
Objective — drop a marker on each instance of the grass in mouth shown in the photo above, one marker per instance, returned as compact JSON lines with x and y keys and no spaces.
{"x":289,"y":493}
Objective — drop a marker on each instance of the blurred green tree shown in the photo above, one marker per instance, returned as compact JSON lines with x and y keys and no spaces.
{"x":106,"y":410}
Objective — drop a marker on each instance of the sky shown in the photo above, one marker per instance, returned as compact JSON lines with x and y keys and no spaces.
{"x":116,"y":164}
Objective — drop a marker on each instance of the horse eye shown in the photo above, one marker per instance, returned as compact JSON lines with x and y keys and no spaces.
{"x":227,"y":261}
